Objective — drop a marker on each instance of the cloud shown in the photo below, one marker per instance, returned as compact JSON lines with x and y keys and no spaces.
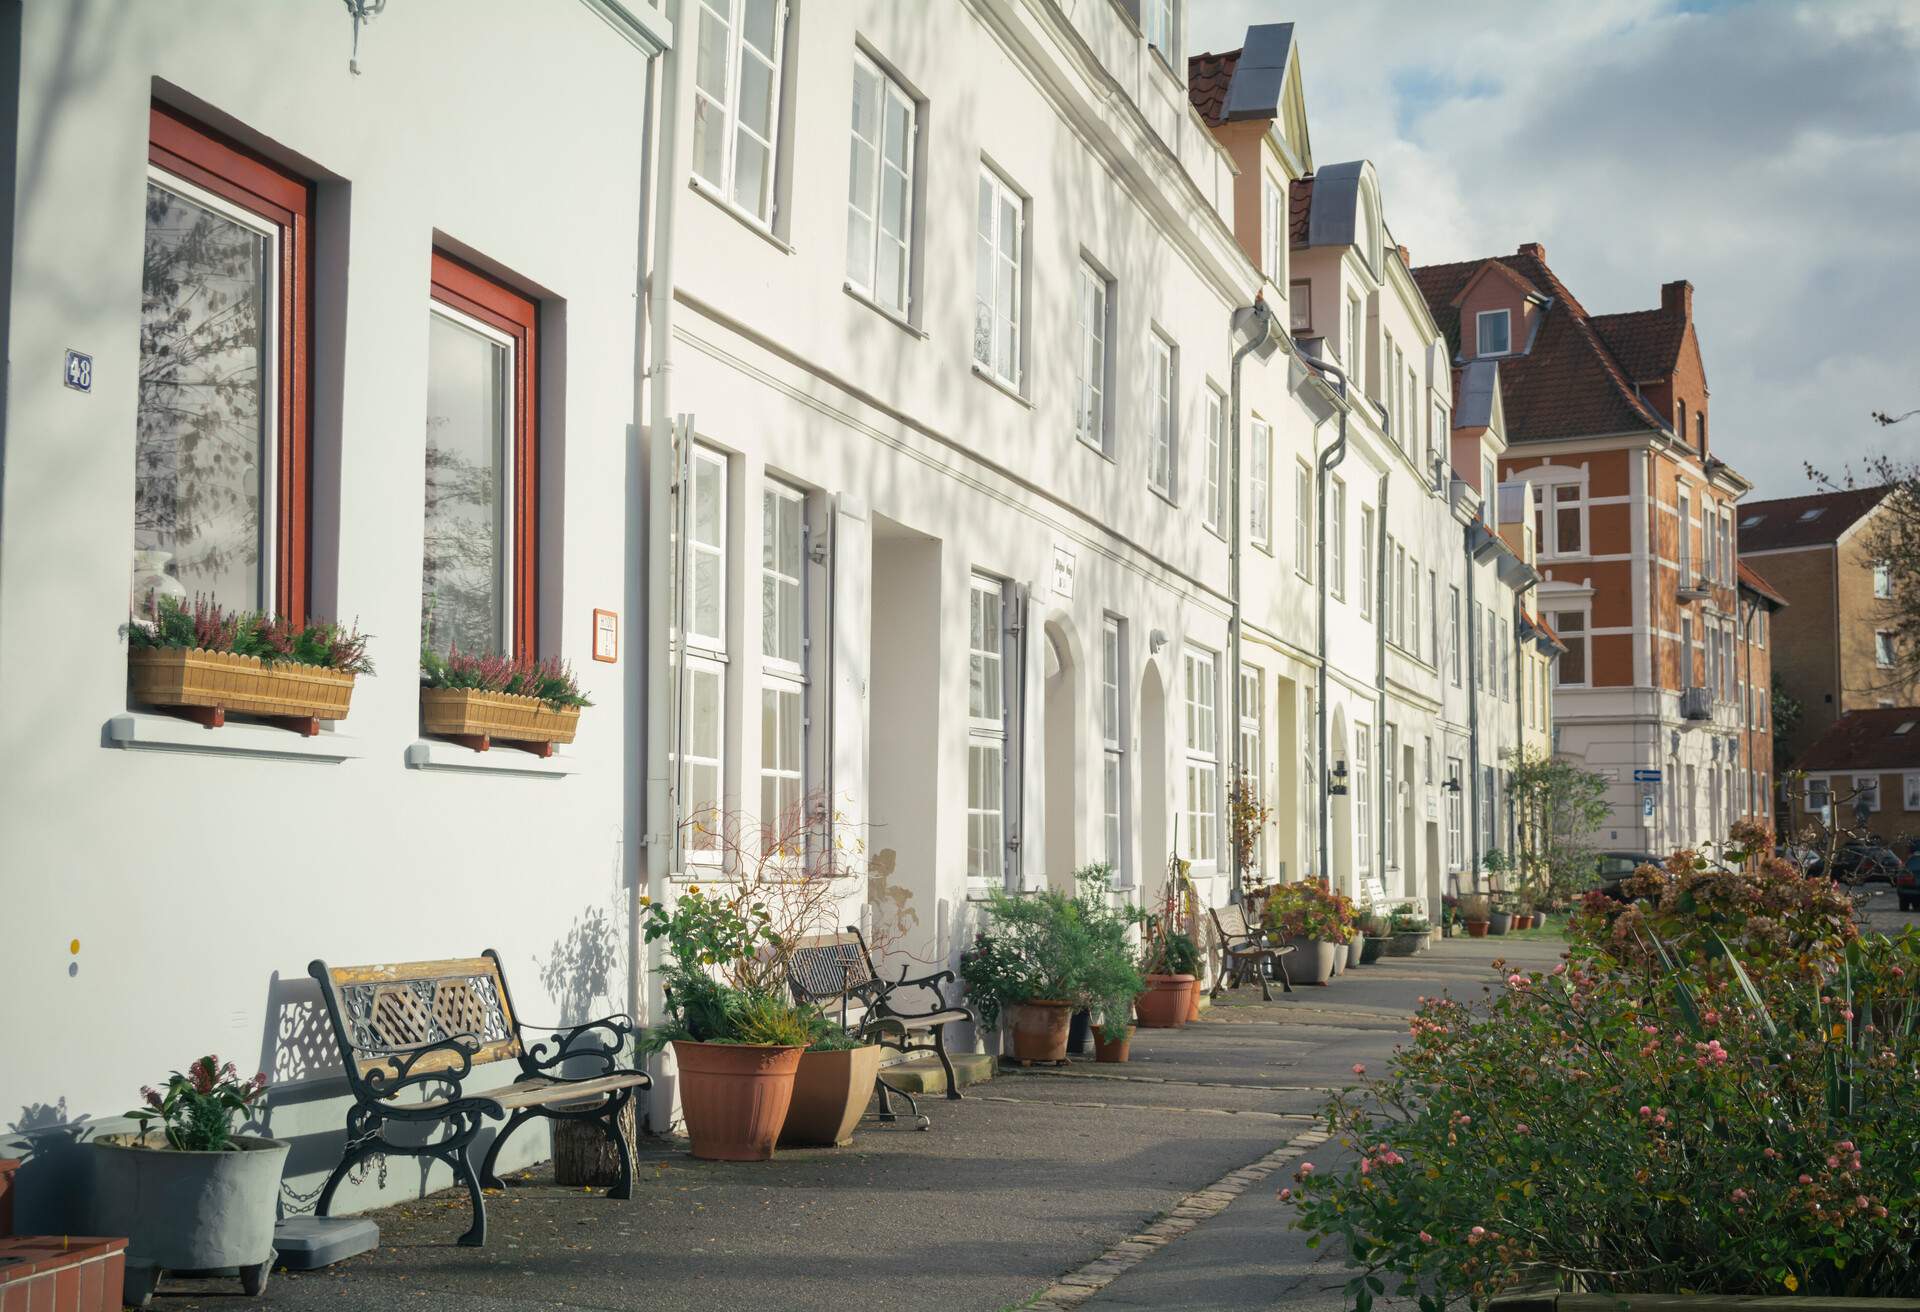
{"x":1769,"y":153}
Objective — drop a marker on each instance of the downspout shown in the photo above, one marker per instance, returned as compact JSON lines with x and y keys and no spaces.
{"x":1747,"y":616}
{"x":636,"y":948}
{"x":1382,"y":568}
{"x":1474,"y":675}
{"x":1518,"y":656}
{"x":1263,"y":321}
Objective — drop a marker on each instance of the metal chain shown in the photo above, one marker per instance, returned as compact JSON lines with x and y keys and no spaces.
{"x":298,"y":1201}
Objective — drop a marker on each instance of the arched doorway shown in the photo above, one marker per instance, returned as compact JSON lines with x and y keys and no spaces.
{"x":1152,"y":859}
{"x":1062,"y":791}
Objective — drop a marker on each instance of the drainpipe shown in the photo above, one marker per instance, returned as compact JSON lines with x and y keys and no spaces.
{"x":1384,"y":571}
{"x":1473,"y":708}
{"x":1747,"y":616}
{"x":635,"y":807}
{"x":1263,"y":322}
{"x":1519,"y":713}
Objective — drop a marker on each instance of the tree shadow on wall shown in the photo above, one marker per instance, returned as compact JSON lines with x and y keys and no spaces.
{"x":582,"y":972}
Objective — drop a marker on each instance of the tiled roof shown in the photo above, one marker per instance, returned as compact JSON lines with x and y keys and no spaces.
{"x":1808,"y":521}
{"x":1299,"y":209}
{"x":1751,"y":580}
{"x":1208,"y":77}
{"x":1568,"y":383}
{"x":1867,"y":740}
{"x":1645,"y":342}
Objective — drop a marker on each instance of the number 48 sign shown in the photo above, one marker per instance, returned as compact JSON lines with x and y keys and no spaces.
{"x":79,"y":371}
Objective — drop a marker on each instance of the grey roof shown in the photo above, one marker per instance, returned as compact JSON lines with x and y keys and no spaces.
{"x":1335,"y":218}
{"x":1261,"y":73}
{"x":1473,"y":402}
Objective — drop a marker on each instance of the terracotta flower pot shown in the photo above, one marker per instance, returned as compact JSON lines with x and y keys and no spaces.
{"x":735,"y":1097}
{"x":1039,"y":1029}
{"x":830,"y":1091}
{"x":1194,"y":991}
{"x":1312,"y":960}
{"x":1164,"y":1005}
{"x":1476,"y":929}
{"x":1115,"y":1051}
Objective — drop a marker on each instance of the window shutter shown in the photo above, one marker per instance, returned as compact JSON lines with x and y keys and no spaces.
{"x":1013,"y":678}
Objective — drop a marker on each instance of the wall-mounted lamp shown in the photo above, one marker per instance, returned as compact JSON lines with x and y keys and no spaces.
{"x":1452,"y":785}
{"x":1156,"y":640}
{"x":1337,"y":781}
{"x":363,"y":11}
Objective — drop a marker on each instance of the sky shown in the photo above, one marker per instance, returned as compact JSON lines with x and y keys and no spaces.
{"x":1768,"y":152}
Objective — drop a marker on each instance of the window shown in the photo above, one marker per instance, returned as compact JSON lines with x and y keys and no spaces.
{"x":702,"y":748}
{"x":783,"y":647}
{"x":1390,"y":804}
{"x":1366,"y":562}
{"x":1453,"y":635}
{"x":1158,"y":20}
{"x":986,"y":734}
{"x":1214,"y":511}
{"x":1910,"y":798}
{"x":1506,"y":661}
{"x":1113,"y":741}
{"x":1361,"y":795}
{"x":1819,"y":795}
{"x":1808,"y":516}
{"x":880,"y":187}
{"x":1456,"y":814}
{"x":1568,"y":515}
{"x":1273,"y":230}
{"x":1312,"y":789}
{"x":1686,"y":651}
{"x":1400,"y":626}
{"x":1571,"y":625}
{"x":1882,"y":579}
{"x":1353,"y":339}
{"x":1413,"y":607}
{"x":1160,"y":437}
{"x":1337,"y":540}
{"x":1096,"y":307}
{"x":1493,"y":332}
{"x":1260,"y":486}
{"x":736,"y":100}
{"x":477,"y":566}
{"x":1303,"y":519}
{"x":1203,"y":758}
{"x":1433,"y":617}
{"x":1680,"y":425}
{"x":1000,"y":228}
{"x":1300,"y":306}
{"x":220,"y":433}
{"x":1253,"y":749}
{"x":1866,"y":787}
{"x":1726,"y":547}
{"x":1883,"y":648}
{"x":1489,"y":807}
{"x":1686,"y":541}
{"x":1388,"y":587}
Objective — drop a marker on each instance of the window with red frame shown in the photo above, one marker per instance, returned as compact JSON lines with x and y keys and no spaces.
{"x":222,"y":425}
{"x":482,"y":533}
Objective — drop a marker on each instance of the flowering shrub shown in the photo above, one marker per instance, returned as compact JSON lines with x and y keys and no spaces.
{"x":716,"y":974}
{"x":1308,"y":909}
{"x":1651,"y":1115}
{"x":272,"y":638}
{"x":198,"y":1108}
{"x":550,"y":680}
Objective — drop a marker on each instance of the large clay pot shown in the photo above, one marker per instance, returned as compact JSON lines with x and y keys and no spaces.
{"x":1039,"y":1029}
{"x":1194,"y":991}
{"x":1476,"y":928}
{"x":735,"y":1097}
{"x":1164,"y":1005}
{"x":830,"y":1091}
{"x":184,"y":1211}
{"x":1112,"y":1051}
{"x":1312,"y":960}
{"x":1357,"y":949}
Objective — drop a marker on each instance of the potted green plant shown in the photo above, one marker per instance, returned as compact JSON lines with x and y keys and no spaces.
{"x":1170,"y":963}
{"x":1112,"y":979}
{"x":207,"y":661}
{"x":1500,"y":916}
{"x":1031,"y":966}
{"x":473,"y":698}
{"x":1316,"y":922}
{"x":1374,"y":926}
{"x":737,"y":1043}
{"x":832,"y":1085}
{"x":197,"y":1196}
{"x":1408,"y":930}
{"x":1475,"y":909}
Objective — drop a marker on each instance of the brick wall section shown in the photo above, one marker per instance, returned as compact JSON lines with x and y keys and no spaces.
{"x":1893,"y":824}
{"x":1803,"y":639}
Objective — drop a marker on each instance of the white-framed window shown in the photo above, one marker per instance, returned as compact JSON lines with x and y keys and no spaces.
{"x":1569,"y":519}
{"x":1413,"y":606}
{"x":1260,"y":485}
{"x":1000,"y":256}
{"x":1493,"y":332}
{"x":1506,"y":661}
{"x":1686,"y":651}
{"x":1910,"y":792}
{"x":1361,"y":795}
{"x":1091,"y":421}
{"x":880,"y":186}
{"x":1456,"y":814}
{"x":1489,"y":808}
{"x":704,"y":717}
{"x":1883,"y":648}
{"x":1882,"y":579}
{"x":1571,"y":625}
{"x":1490,"y":498}
{"x":1300,"y":306}
{"x":1867,"y":786}
{"x":707,"y":553}
{"x":1113,"y":743}
{"x":1396,"y":360}
{"x":703,"y":755}
{"x":1726,"y":546}
{"x":1433,"y":618}
{"x":1303,"y":519}
{"x":1686,"y":540}
{"x":1819,"y":795}
{"x":1253,"y":760}
{"x":1273,"y":230}
{"x":1354,"y":338}
{"x":1213,"y":512}
{"x":783,"y":648}
{"x":987,"y":733}
{"x":1390,"y":793}
{"x":1162,"y":412}
{"x":1366,"y":562}
{"x":1202,"y":757}
{"x":1389,"y":587}
{"x":1337,"y":539}
{"x":1398,"y":630}
{"x":1453,"y":634}
{"x":736,"y":101}
{"x":1158,"y":18}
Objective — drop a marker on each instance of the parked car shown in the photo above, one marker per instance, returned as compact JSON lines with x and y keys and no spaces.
{"x":1615,"y":867}
{"x":1906,"y":883}
{"x":1857,"y":863}
{"x":1802,"y":859}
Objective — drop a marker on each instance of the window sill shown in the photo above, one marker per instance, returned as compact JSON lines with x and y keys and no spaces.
{"x":1095,"y":447}
{"x":740,"y":216}
{"x":1164,"y":495}
{"x":145,"y":731}
{"x":999,"y":384}
{"x":892,"y":316}
{"x":434,"y":754}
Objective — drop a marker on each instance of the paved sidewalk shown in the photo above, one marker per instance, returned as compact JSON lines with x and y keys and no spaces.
{"x":1034,"y":1177}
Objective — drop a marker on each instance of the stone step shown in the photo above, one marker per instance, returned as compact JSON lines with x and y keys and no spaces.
{"x":918,"y":1075}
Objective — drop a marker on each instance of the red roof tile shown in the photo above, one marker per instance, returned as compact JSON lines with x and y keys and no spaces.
{"x":1867,"y":740}
{"x":1645,"y":342}
{"x":1809,"y":521}
{"x":1751,"y":580}
{"x":1208,"y":77}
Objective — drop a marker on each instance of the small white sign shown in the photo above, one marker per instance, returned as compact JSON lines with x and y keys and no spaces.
{"x":79,"y":371}
{"x":1062,"y":571}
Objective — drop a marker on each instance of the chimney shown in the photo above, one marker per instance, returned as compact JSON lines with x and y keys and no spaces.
{"x":1405,"y":258}
{"x":1534,"y":249}
{"x":1677,"y":298}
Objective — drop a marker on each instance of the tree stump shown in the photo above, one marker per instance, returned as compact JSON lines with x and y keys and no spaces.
{"x":582,"y":1153}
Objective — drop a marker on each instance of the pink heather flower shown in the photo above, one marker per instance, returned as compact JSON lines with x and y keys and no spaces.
{"x":1285,"y":1194}
{"x":1478,"y":1230}
{"x":1359,"y":1068}
{"x":1899,"y":971}
{"x":1769,"y":1154}
{"x":1646,"y":1111}
{"x":1649,"y":1029}
{"x":1845,"y":1145}
{"x":1832,"y":1162}
{"x":1306,"y":1168}
{"x":1711,"y":1018}
{"x":1366,"y":1166}
{"x":151,"y":1094}
{"x":1516,"y":980}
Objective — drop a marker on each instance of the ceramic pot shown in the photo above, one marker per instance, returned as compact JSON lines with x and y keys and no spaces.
{"x":830,"y":1091}
{"x":1311,"y":961}
{"x":1357,"y":949}
{"x":1406,"y":944}
{"x":1039,"y":1028}
{"x":1476,"y":928}
{"x":1500,"y":922}
{"x":1114,"y":1051}
{"x":735,"y":1097}
{"x":1165,"y":1003}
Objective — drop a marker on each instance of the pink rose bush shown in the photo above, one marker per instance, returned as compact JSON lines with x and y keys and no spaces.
{"x":1718,"y":1092}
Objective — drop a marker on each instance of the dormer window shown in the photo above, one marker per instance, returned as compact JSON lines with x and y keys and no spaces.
{"x":1808,"y":516}
{"x":1493,"y":332}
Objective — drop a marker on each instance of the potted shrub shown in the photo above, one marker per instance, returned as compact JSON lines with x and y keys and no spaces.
{"x":1170,"y":962}
{"x":1113,"y":1037}
{"x":1475,"y":909}
{"x":737,"y":1045}
{"x":198,"y":1196}
{"x":1111,"y":980}
{"x":1316,"y":922}
{"x":474,"y":699}
{"x":1408,"y":930}
{"x":207,"y":661}
{"x":1030,"y":966}
{"x":832,"y":1085}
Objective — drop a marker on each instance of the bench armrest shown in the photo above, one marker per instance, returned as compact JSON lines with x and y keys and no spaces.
{"x":931,"y":983}
{"x":543,"y":1057}
{"x":384,"y":1084}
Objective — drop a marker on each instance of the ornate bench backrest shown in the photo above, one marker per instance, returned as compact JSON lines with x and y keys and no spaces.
{"x":826,"y":966}
{"x":381,"y":1011}
{"x":1230,"y":922}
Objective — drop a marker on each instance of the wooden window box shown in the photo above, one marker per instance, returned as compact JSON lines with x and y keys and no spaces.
{"x":474,"y":718}
{"x":205,"y":685}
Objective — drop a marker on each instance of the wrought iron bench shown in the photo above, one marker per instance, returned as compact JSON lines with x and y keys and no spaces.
{"x":1247,"y":950}
{"x":836,"y":969}
{"x":422,"y":1025}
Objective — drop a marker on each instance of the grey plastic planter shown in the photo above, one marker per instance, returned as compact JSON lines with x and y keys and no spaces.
{"x":1357,"y":949}
{"x":1312,"y":960}
{"x":1499,"y":922}
{"x":188,"y":1211}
